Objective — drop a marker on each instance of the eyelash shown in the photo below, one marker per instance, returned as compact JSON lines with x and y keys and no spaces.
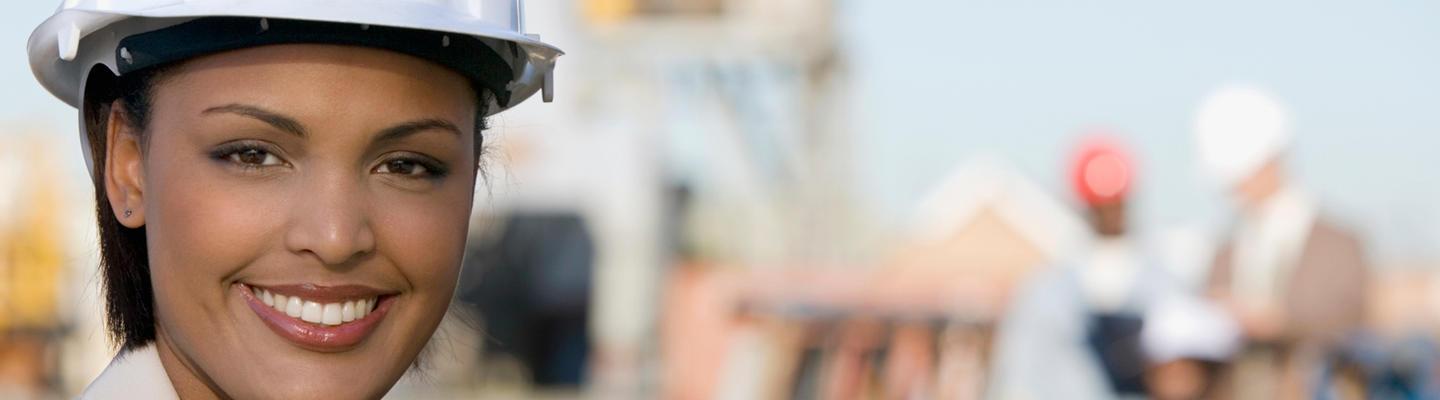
{"x":433,"y":169}
{"x":231,"y":152}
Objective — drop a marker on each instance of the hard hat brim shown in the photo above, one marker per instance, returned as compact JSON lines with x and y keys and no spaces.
{"x":67,"y":45}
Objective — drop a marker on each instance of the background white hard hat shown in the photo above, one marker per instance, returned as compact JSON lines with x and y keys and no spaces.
{"x":84,"y":35}
{"x":1238,"y":129}
{"x":1186,"y":327}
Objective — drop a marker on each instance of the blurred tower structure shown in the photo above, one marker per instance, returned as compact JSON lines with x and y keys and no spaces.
{"x":732,"y":102}
{"x":735,"y":101}
{"x":740,"y":97}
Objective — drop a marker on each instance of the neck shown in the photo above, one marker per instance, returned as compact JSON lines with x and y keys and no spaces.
{"x":1256,"y":190}
{"x":188,"y":381}
{"x":1260,"y":198}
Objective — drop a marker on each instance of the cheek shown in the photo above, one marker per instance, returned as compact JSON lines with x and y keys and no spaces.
{"x":200,"y":229}
{"x":424,"y":235}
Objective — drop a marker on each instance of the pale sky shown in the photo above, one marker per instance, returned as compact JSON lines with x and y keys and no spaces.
{"x":938,"y":80}
{"x":24,"y":99}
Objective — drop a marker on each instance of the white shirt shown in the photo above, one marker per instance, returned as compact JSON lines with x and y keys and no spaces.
{"x":1268,"y":245}
{"x":135,"y":374}
{"x":1108,"y":274}
{"x":1041,"y":350}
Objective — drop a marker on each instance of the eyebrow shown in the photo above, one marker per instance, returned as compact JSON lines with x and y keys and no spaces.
{"x":281,"y":122}
{"x":398,"y":132}
{"x":290,"y":125}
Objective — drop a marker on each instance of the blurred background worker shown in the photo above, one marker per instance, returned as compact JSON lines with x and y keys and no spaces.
{"x":1187,"y":342}
{"x":1294,"y":279}
{"x":1074,"y":332}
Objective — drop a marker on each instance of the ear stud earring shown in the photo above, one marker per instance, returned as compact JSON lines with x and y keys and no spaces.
{"x":127,"y":213}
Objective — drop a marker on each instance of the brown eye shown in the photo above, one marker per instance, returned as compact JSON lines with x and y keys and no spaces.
{"x":253,"y":157}
{"x":402,"y":167}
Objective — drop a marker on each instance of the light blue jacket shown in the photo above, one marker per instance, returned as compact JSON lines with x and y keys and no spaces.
{"x":1042,"y":352}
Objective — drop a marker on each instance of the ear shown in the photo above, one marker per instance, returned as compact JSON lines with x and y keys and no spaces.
{"x":124,"y":168}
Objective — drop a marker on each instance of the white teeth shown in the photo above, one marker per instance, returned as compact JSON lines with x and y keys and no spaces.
{"x":312,"y":312}
{"x":347,"y":311}
{"x":330,"y":314}
{"x":316,"y":312}
{"x":280,"y":302}
{"x":362,"y":308}
{"x":294,"y":307}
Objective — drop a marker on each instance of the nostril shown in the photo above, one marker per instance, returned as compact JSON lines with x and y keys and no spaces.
{"x":332,"y":220}
{"x":332,"y":241}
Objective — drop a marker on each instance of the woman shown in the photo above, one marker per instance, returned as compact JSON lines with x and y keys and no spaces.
{"x":283,"y":187}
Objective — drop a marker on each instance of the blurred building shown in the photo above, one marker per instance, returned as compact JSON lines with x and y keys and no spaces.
{"x":986,"y":227}
{"x":43,"y":270}
{"x":916,"y":323}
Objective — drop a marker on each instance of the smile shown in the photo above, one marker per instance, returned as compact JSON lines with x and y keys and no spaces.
{"x":319,"y":318}
{"x":314,"y":312}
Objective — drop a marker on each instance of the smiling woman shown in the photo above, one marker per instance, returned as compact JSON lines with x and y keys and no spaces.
{"x":283,"y":200}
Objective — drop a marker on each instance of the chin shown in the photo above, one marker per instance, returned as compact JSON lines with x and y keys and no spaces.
{"x":338,"y":378}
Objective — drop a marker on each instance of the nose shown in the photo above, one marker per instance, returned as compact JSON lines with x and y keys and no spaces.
{"x":330,"y":221}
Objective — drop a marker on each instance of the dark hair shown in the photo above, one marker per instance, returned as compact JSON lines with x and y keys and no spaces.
{"x":124,"y":260}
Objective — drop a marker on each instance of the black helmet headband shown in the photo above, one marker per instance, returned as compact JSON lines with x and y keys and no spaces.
{"x":465,"y":54}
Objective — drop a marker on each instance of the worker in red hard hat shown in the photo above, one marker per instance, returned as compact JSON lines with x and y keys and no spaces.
{"x":1074,"y":331}
{"x":1102,"y":174}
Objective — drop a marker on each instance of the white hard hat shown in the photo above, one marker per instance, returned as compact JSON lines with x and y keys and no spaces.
{"x":1239,"y":129}
{"x":482,"y":39}
{"x":1185,"y":327}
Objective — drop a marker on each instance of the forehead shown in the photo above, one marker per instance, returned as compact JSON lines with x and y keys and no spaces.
{"x":318,"y":81}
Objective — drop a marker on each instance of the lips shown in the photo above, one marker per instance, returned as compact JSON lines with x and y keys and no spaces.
{"x":319,"y":318}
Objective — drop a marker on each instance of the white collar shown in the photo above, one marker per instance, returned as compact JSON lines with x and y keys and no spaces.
{"x":1288,"y":206}
{"x":134,"y":374}
{"x":1110,"y":273}
{"x":1269,"y":243}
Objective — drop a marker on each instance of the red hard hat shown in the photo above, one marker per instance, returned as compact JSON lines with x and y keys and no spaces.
{"x":1101,"y":171}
